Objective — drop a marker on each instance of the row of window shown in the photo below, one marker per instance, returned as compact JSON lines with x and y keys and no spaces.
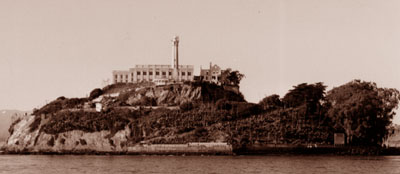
{"x":150,"y":73}
{"x":214,"y":72}
{"x":163,"y":73}
{"x":126,"y":80}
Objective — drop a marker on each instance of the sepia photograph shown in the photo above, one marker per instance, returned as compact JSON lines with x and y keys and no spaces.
{"x":199,"y":86}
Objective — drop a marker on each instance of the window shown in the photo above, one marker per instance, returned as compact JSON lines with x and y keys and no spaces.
{"x":183,"y":73}
{"x":207,"y":72}
{"x":144,"y":73}
{"x":169,"y":73}
{"x":213,"y":77}
{"x":151,"y":73}
{"x":157,"y":73}
{"x":206,"y":77}
{"x":189,"y":73}
{"x":164,"y":73}
{"x":116,"y":77}
{"x":138,"y":73}
{"x":126,"y":77}
{"x":121,"y":76}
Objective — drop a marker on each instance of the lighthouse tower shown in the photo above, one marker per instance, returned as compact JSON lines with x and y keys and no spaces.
{"x":175,"y":59}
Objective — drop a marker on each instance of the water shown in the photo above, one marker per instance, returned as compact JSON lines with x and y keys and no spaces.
{"x":197,"y":164}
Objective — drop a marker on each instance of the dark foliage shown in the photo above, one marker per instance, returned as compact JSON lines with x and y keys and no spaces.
{"x":35,"y":124}
{"x":212,"y":93}
{"x":229,"y":77}
{"x":82,"y":141}
{"x":362,"y":111}
{"x":95,"y":93}
{"x":59,"y":104}
{"x":51,"y":142}
{"x":310,"y":94}
{"x":186,"y":106}
{"x":114,"y":120}
{"x":271,"y":103}
{"x":11,"y":129}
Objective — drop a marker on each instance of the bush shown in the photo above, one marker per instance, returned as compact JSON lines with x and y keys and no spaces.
{"x":223,"y":104}
{"x":51,"y":142}
{"x":59,"y":104}
{"x":186,"y":106}
{"x":61,"y":98}
{"x":95,"y":93}
{"x":200,"y":132}
{"x":11,"y":129}
{"x":243,"y":109}
{"x":35,"y":124}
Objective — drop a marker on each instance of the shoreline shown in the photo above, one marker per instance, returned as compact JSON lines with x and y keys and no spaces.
{"x":248,"y":151}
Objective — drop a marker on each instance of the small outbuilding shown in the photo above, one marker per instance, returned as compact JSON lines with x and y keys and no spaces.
{"x":339,"y":139}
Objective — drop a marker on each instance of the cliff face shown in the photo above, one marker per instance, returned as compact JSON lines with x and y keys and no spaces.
{"x":76,"y":141}
{"x":166,"y":95}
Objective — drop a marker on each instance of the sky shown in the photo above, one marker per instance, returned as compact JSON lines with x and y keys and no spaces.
{"x":52,"y":48}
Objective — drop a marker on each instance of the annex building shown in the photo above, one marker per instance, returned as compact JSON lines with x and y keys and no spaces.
{"x":213,"y":74}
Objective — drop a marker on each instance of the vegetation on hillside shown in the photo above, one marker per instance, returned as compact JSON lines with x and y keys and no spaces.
{"x":306,"y":114}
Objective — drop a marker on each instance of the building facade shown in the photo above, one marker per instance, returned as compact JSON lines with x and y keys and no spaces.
{"x":143,"y":73}
{"x":213,"y":74}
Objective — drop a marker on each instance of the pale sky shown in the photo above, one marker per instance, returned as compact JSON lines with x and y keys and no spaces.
{"x":52,"y":48}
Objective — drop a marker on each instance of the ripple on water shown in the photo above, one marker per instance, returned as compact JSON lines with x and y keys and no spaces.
{"x":197,"y":164}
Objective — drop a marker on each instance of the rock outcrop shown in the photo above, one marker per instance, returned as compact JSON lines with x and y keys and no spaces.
{"x":76,"y":141}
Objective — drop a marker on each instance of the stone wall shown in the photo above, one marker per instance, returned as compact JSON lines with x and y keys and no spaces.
{"x":189,"y":148}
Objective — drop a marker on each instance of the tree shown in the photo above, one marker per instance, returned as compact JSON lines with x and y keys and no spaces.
{"x":310,"y":95}
{"x":270,"y":103}
{"x":362,"y":111}
{"x":229,"y":77}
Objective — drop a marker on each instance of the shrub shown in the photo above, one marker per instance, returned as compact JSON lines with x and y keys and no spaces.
{"x":62,"y":141}
{"x":243,"y":109}
{"x":11,"y":129}
{"x":200,"y":132}
{"x":223,"y":104}
{"x":82,"y":141}
{"x":186,"y":106}
{"x":61,"y":98}
{"x":51,"y":142}
{"x":35,"y":124}
{"x":95,"y":93}
{"x":73,"y":103}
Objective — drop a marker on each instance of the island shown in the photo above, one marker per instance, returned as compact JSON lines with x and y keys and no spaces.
{"x":200,"y":117}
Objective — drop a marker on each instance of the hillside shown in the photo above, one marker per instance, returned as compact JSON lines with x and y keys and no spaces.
{"x":131,"y":113}
{"x":120,"y":116}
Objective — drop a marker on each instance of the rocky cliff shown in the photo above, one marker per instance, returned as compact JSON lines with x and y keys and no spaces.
{"x":76,"y":141}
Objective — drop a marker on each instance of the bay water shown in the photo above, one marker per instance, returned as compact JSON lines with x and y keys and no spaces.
{"x":59,"y":164}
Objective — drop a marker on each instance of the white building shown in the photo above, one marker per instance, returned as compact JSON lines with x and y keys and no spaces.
{"x":173,"y":72}
{"x":150,"y":72}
